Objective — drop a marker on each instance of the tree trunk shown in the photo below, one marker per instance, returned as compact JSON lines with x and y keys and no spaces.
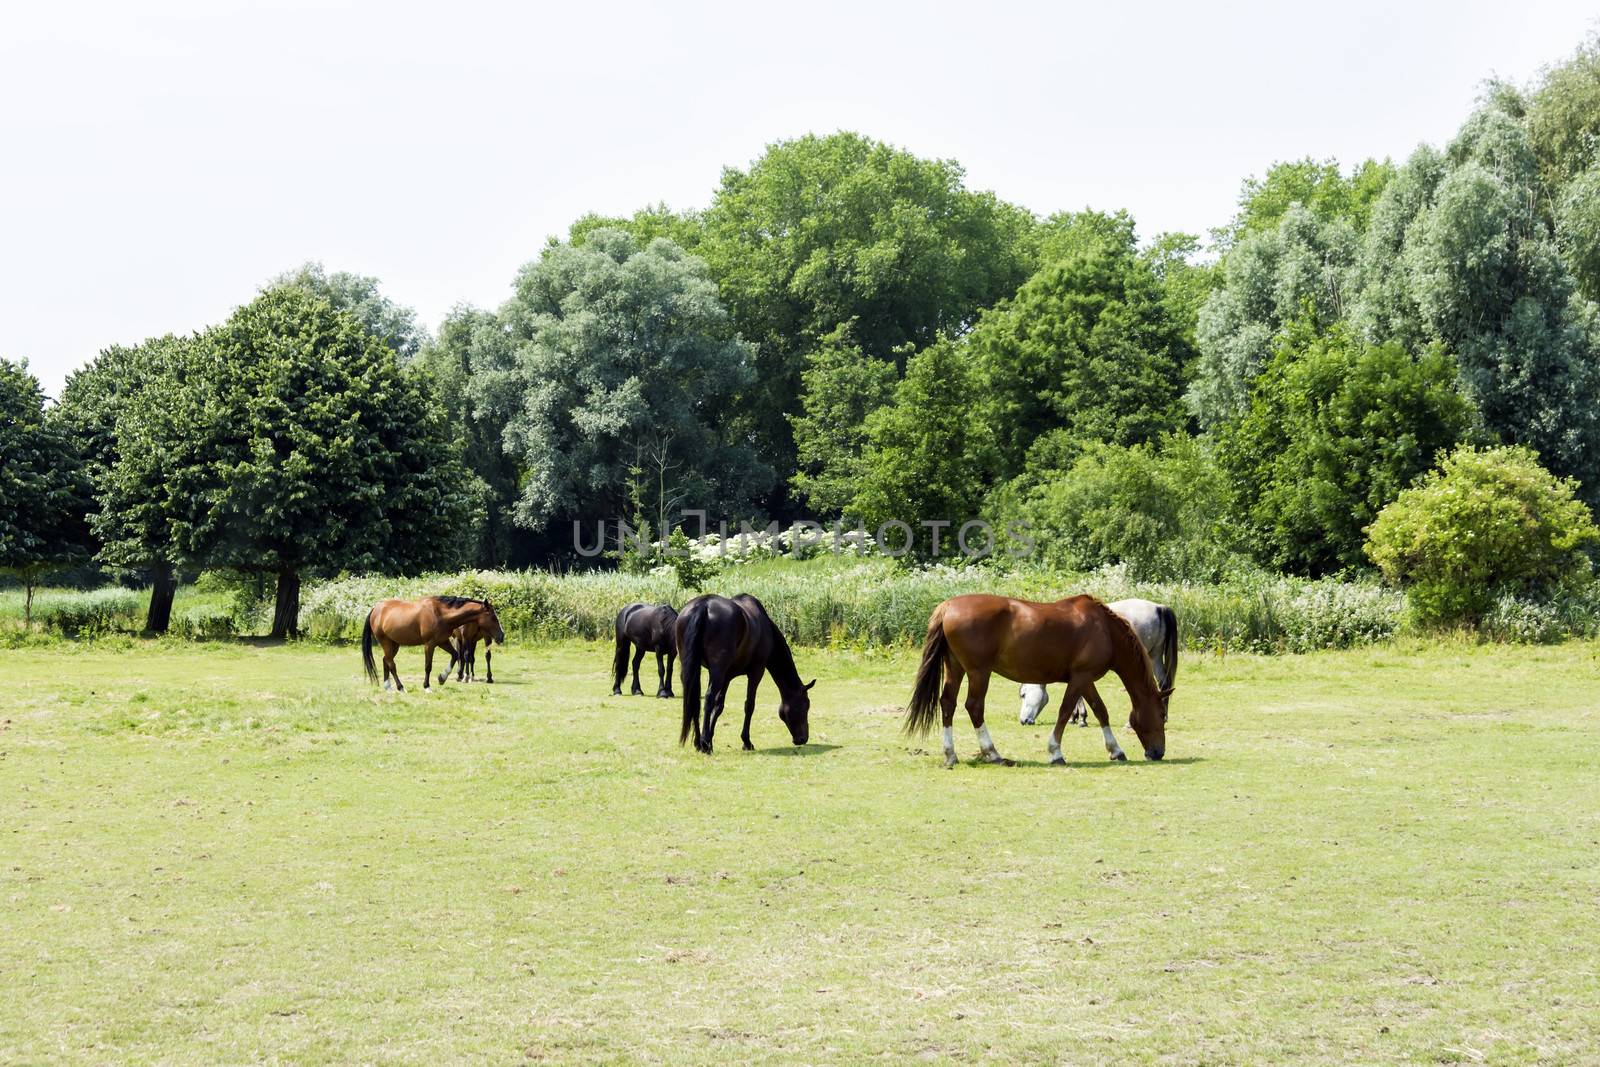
{"x":286,"y":614}
{"x":27,"y":610}
{"x":159,"y":617}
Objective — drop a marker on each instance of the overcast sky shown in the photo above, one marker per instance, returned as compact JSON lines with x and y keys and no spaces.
{"x":160,"y":160}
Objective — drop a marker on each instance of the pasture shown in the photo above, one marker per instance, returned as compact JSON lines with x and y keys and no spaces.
{"x":231,"y":852}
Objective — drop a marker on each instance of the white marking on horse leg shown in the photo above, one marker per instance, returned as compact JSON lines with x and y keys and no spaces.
{"x":949,"y":747}
{"x":1111,"y":744}
{"x":1055,"y":749}
{"x":986,"y":743}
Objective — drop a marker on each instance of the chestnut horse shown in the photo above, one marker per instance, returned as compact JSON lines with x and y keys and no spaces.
{"x":730,"y":637}
{"x":428,"y":622}
{"x":466,"y":644}
{"x":1076,"y":640}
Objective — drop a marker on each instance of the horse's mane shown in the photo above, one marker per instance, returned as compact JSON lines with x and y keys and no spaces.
{"x":1133,"y":638}
{"x":460,"y":601}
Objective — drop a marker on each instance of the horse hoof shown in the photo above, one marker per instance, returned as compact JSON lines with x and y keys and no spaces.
{"x":1059,"y":761}
{"x":1120,"y":757}
{"x":748,"y":747}
{"x":950,"y":762}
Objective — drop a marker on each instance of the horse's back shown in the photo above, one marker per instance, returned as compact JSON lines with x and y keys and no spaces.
{"x":1024,"y":640}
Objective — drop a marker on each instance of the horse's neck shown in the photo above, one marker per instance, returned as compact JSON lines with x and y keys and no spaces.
{"x":1130,"y":664}
{"x":454,"y":617}
{"x":780,"y":663}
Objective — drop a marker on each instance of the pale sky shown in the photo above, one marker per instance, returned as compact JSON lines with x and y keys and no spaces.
{"x":160,"y":159}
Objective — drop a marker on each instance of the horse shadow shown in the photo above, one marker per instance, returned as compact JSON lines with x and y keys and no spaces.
{"x":1087,"y":764}
{"x":813,"y":749}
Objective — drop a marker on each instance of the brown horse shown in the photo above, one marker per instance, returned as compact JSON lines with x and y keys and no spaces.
{"x":466,"y":647}
{"x":428,"y":622}
{"x":1076,"y":640}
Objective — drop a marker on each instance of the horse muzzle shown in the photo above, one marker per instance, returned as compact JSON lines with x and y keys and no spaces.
{"x":1154,"y":753}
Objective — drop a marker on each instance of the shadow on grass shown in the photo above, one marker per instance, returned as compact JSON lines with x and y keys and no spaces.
{"x":817,"y":749}
{"x":1087,"y":765}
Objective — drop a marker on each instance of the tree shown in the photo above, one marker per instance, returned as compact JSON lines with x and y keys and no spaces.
{"x":1317,"y":185}
{"x":840,"y":388}
{"x":927,"y":457}
{"x":394,"y":324}
{"x":1563,"y":117}
{"x":1461,"y":255}
{"x":472,"y":345}
{"x":843,"y":229}
{"x":618,"y":349}
{"x":301,"y":448}
{"x":43,"y":492}
{"x":1336,"y":430}
{"x":1086,"y":348}
{"x":134,"y":505}
{"x":1485,"y":523}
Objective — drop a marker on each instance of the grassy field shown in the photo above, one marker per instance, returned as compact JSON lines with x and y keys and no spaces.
{"x":227,"y":853}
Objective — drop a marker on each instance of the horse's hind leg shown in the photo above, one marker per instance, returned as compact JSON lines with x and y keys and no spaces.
{"x":638,"y":658}
{"x":716,"y":694}
{"x":666,"y":679}
{"x":947,"y":707}
{"x":977,"y":689}
{"x":389,"y":649}
{"x":1093,"y":697}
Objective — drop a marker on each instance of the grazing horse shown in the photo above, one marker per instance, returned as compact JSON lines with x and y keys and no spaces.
{"x":730,"y":637}
{"x":651,"y":627}
{"x":466,"y":642}
{"x":1157,"y":628}
{"x":428,"y":622}
{"x":1076,"y":640}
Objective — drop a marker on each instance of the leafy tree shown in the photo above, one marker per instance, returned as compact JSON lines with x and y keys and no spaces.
{"x":843,"y":229}
{"x":43,"y":492}
{"x":473,"y":344}
{"x":683,"y":229}
{"x":927,"y":457}
{"x":394,"y":324}
{"x":1461,"y":255}
{"x":1186,"y":283}
{"x":1563,"y":117}
{"x":618,"y":352}
{"x":300,"y":447}
{"x":841,"y":387}
{"x":1086,"y":347}
{"x":1485,"y":523}
{"x":1317,"y":185}
{"x":132,"y":479}
{"x":1161,"y":510}
{"x":1335,"y":431}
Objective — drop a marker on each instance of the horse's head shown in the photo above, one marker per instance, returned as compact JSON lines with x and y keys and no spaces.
{"x":490,"y":623}
{"x":795,"y":711}
{"x":1149,"y":720}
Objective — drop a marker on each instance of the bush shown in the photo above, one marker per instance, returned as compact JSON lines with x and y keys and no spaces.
{"x":1486,"y":525}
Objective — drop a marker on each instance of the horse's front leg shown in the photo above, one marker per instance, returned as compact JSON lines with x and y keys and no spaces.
{"x":977,"y":689}
{"x":750,"y":709}
{"x":488,"y":663}
{"x":427,"y":664}
{"x":1092,"y":695}
{"x":1068,"y":702}
{"x":662,"y":688}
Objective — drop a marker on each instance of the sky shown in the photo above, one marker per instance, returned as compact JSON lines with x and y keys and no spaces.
{"x":159,"y":161}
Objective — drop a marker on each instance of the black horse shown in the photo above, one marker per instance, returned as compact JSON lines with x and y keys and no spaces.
{"x":730,"y":638}
{"x":650,"y":628}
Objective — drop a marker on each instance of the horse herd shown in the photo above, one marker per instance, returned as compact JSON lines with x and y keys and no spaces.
{"x":1075,"y":641}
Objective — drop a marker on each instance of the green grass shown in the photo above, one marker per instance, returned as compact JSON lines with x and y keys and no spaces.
{"x":227,"y":853}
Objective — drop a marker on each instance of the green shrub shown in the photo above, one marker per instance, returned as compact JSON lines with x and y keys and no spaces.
{"x":1485,"y":525}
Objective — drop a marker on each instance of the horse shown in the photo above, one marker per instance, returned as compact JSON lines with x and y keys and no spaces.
{"x":1076,"y":640}
{"x":652,"y":627}
{"x":428,"y":622}
{"x":733,"y":637}
{"x":1157,"y":628}
{"x":466,"y":639}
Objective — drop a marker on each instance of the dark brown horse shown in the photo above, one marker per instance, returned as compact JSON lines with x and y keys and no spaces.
{"x":428,"y":622}
{"x":733,"y":637}
{"x":466,"y":640}
{"x":648,"y":628}
{"x":1076,"y":640}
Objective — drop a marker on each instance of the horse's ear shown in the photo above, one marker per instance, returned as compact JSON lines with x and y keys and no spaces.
{"x":811,"y":683}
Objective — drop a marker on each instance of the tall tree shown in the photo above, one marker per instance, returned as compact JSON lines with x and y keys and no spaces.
{"x":132,"y":488}
{"x":43,"y":491}
{"x":302,"y":449}
{"x":927,"y":458}
{"x":841,"y":387}
{"x":1087,"y":349}
{"x":358,"y":294}
{"x":618,"y":352}
{"x":843,"y":229}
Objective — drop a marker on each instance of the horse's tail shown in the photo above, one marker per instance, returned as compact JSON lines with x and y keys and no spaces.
{"x":689,"y":656}
{"x":619,"y":665}
{"x":1169,"y":645}
{"x":366,"y":650}
{"x":925,"y":693}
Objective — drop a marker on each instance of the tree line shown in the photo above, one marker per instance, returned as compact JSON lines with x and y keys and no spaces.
{"x":848,"y":330}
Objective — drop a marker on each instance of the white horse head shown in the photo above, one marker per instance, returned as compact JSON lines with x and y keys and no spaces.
{"x":1034,"y":699}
